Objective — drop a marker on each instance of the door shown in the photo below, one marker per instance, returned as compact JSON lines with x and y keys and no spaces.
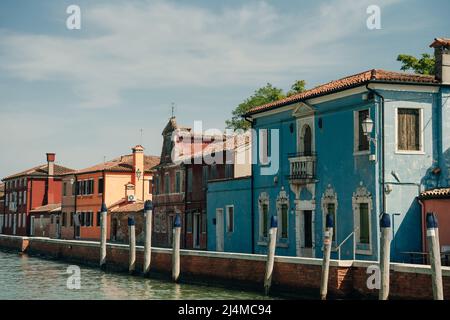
{"x":307,"y":141}
{"x":32,"y":226}
{"x":170,"y":229}
{"x":114,"y":229}
{"x":308,"y":228}
{"x":58,"y":228}
{"x":219,"y":230}
{"x":196,"y":234}
{"x":14,"y":224}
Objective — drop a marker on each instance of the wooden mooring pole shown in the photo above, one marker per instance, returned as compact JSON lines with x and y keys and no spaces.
{"x":327,"y":241}
{"x":148,"y":212}
{"x":385,"y":255}
{"x":103,"y":235}
{"x":132,"y":249}
{"x":435,"y":255}
{"x":176,"y":248}
{"x":271,"y":253}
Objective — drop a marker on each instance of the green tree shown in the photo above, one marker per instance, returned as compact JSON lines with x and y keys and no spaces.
{"x":424,"y":65}
{"x":297,"y":87}
{"x":263,"y":95}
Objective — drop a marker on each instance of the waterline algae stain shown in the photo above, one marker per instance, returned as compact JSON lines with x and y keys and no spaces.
{"x":31,"y":278}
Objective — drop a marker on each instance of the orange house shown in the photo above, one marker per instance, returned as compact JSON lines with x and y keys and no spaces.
{"x":437,"y":201}
{"x":126,"y":179}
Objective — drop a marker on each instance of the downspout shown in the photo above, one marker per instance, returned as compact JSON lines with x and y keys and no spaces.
{"x":252,"y":206}
{"x":382,"y":138}
{"x":422,"y":205}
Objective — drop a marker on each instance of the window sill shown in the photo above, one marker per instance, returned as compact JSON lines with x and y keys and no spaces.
{"x":364,"y":252}
{"x":361,"y":153}
{"x":409,"y":152}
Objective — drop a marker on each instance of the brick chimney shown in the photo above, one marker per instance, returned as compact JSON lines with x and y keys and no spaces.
{"x":442,"y":55}
{"x":138,"y":172}
{"x":51,"y":189}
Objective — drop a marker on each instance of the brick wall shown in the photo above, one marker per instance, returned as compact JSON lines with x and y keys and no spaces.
{"x":291,"y":274}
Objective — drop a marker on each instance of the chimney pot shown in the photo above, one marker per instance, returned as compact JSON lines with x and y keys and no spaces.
{"x":442,"y":57}
{"x":51,"y":157}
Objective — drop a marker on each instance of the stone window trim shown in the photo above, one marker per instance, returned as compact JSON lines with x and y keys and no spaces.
{"x":421,"y":150}
{"x":356,"y":128}
{"x":262,"y":200}
{"x":362,"y":195}
{"x":282,"y":199}
{"x":330,"y":197}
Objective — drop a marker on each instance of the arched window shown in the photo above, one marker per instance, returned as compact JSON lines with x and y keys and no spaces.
{"x":307,"y":140}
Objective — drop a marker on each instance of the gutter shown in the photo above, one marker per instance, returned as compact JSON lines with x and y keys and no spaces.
{"x":252,"y":206}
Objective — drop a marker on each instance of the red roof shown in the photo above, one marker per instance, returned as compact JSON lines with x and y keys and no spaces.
{"x":347,"y":83}
{"x":439,"y":193}
{"x":121,"y":164}
{"x":41,"y":170}
{"x":440,"y":42}
{"x":54,"y":207}
{"x":130,"y":207}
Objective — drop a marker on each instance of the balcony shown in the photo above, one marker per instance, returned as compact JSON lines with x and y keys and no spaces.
{"x":302,"y":168}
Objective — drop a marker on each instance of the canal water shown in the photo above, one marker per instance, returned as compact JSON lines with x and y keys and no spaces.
{"x":31,"y":278}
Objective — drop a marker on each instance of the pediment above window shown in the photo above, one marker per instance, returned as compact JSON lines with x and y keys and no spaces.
{"x":302,"y":110}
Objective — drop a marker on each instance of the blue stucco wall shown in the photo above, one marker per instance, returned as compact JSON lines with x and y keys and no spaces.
{"x":344,"y":171}
{"x":236,"y":192}
{"x":339,"y":167}
{"x":272,"y":184}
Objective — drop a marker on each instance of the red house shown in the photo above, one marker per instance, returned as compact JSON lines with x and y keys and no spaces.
{"x":27,"y":190}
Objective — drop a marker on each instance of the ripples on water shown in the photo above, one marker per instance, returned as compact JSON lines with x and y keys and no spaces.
{"x":31,"y":278}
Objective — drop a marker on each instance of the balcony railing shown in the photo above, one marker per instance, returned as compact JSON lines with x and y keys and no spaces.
{"x":302,"y":167}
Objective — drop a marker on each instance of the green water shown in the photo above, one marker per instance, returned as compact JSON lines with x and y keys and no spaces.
{"x":31,"y":278}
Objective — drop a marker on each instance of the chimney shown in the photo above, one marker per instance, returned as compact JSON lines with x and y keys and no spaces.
{"x":138,"y":172}
{"x":50,"y":181}
{"x":442,"y":56}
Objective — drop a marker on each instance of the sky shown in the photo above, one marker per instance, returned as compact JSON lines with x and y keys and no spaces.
{"x":86,"y":94}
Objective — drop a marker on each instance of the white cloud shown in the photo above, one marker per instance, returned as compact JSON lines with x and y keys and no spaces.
{"x":161,"y":44}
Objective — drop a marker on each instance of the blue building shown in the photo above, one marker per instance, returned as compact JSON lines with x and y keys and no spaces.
{"x":229,"y":208}
{"x":315,"y":157}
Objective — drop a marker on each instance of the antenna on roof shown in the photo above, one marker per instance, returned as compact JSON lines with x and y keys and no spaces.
{"x":173,"y":109}
{"x":142,"y":134}
{"x":104,"y":159}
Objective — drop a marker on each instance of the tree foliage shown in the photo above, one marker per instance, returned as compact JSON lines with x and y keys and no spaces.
{"x":424,"y":65}
{"x":261,"y":96}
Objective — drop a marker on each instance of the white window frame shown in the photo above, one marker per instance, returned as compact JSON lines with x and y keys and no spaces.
{"x":330,"y":197}
{"x":421,"y":133}
{"x":356,"y":126}
{"x":263,"y":199}
{"x":283,"y":198}
{"x":362,"y":195}
{"x":228,"y":218}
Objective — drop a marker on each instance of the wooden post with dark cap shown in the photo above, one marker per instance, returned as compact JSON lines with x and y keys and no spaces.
{"x":327,"y":241}
{"x":103,"y":235}
{"x":132,"y":249}
{"x":435,"y":255}
{"x":271,"y":253}
{"x":176,"y":248}
{"x":148,"y":212}
{"x":385,"y":254}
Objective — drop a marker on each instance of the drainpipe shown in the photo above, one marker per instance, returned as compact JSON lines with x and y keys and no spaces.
{"x":252,"y":206}
{"x":422,"y":205}
{"x":383,"y":197}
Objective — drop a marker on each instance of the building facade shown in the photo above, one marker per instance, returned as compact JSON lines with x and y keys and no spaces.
{"x":30,"y":189}
{"x":317,"y":159}
{"x":188,"y":161}
{"x":123,"y":180}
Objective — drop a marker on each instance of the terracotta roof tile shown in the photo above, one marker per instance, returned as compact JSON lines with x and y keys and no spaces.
{"x":129,"y":207}
{"x":41,"y":170}
{"x":440,"y":42}
{"x":121,"y":164}
{"x":438,"y":193}
{"x":55,"y":207}
{"x":346,"y":83}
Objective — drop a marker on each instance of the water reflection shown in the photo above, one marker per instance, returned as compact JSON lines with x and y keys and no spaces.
{"x":24,"y":277}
